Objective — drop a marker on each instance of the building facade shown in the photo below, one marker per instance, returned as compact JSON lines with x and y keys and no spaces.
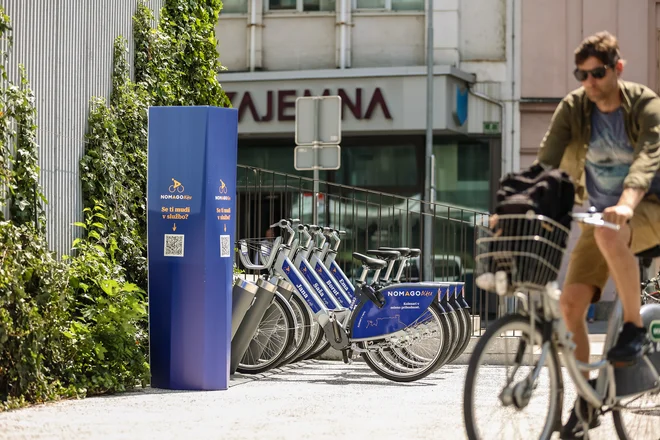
{"x":66,"y":48}
{"x":372,"y":53}
{"x":550,"y":33}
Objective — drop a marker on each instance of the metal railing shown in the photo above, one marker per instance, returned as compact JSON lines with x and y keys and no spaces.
{"x":370,"y":219}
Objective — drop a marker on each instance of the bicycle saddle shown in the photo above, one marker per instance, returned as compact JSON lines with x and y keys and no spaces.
{"x":415,"y":253}
{"x":649,"y":253}
{"x":387,"y":255}
{"x":403,"y":251}
{"x":371,"y":263}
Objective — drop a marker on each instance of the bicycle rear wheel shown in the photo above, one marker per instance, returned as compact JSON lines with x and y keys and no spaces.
{"x":468,"y":331}
{"x":512,"y":340}
{"x":428,"y":348}
{"x":456,"y":331}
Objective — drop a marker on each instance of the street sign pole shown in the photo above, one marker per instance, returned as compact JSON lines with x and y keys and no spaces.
{"x":318,"y":133}
{"x":315,"y":148}
{"x":429,"y":181}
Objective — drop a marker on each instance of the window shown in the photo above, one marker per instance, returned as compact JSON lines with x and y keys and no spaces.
{"x":379,"y":166}
{"x":273,"y":158}
{"x":301,"y":5}
{"x":390,"y":5}
{"x":234,"y":7}
{"x":462,"y":173}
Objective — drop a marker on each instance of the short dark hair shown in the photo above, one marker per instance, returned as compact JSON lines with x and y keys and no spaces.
{"x":601,"y":45}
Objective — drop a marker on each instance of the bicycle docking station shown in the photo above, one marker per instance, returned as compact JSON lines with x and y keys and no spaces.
{"x":191,"y":213}
{"x":643,"y":375}
{"x":262,"y":308}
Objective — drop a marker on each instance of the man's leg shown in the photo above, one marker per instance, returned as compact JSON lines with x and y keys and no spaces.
{"x":622,"y":263}
{"x":585,"y":278}
{"x":574,"y":301}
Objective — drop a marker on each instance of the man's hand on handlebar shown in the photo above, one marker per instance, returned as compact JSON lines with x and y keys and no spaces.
{"x":618,"y":214}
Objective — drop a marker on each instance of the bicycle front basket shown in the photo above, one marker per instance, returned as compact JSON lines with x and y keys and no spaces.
{"x":527,"y":247}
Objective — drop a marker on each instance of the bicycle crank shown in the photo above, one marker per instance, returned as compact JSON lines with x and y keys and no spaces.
{"x":334,"y":332}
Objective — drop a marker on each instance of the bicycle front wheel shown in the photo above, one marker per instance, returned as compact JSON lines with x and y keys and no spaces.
{"x":640,"y":420}
{"x":497,"y":379}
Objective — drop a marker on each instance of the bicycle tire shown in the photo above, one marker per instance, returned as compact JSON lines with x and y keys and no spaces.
{"x":314,"y":339}
{"x":468,"y":333}
{"x":322,"y":348}
{"x":464,"y":334}
{"x":370,"y":357}
{"x":456,"y":332}
{"x":305,"y":328}
{"x":622,"y":432}
{"x":493,"y":331}
{"x":289,"y":336}
{"x":407,"y":355}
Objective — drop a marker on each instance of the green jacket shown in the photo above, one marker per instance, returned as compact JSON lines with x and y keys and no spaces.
{"x":566,"y":142}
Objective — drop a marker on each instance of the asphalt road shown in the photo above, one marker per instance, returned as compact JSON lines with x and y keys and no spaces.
{"x":316,"y":400}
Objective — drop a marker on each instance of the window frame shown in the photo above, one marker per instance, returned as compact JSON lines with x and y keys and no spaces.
{"x":387,"y":8}
{"x":236,"y":14}
{"x":298,"y":9}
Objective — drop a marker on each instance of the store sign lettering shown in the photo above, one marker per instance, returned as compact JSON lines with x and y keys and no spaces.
{"x":281,"y":104}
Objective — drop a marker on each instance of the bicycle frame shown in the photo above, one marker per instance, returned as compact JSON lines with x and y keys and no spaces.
{"x":317,"y":275}
{"x":605,"y":393}
{"x":328,"y":255}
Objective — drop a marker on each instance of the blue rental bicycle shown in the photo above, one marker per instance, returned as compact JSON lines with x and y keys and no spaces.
{"x":378,"y":324}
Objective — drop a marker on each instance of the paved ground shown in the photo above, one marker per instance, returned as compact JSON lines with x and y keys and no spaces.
{"x":315,"y":399}
{"x":318,"y":399}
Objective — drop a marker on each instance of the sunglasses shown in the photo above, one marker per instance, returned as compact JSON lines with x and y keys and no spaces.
{"x":597,"y":73}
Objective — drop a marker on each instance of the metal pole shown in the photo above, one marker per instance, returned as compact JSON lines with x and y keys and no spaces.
{"x":429,"y":185}
{"x":315,"y":151}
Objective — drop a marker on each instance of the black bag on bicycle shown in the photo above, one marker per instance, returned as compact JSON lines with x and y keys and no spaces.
{"x":549,"y":193}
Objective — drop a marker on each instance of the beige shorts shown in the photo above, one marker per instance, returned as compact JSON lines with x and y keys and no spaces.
{"x":587,"y":265}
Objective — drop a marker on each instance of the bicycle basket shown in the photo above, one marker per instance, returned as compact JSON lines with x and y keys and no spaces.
{"x":528,"y":247}
{"x":256,"y":250}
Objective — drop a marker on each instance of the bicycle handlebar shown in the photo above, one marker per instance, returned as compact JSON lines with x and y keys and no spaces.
{"x":594,"y":218}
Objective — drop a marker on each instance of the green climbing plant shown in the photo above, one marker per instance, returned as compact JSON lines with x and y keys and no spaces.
{"x":77,"y":326}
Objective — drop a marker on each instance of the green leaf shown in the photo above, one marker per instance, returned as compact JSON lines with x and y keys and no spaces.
{"x":109,"y":286}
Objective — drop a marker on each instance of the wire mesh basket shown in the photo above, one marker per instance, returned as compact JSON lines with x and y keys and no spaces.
{"x":527,"y":247}
{"x":256,"y":250}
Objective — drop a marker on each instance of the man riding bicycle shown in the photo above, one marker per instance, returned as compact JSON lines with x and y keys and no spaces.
{"x":606,"y":136}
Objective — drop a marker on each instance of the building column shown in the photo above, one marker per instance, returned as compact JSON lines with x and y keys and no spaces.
{"x":255,"y":22}
{"x":446,"y":29}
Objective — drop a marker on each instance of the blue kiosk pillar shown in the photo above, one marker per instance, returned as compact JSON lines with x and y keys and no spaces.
{"x":191,"y":206}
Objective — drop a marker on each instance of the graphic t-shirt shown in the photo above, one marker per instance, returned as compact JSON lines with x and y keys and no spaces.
{"x":608,"y":159}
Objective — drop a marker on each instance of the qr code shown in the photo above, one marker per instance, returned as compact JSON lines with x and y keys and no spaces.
{"x":225,"y":246}
{"x":173,"y":245}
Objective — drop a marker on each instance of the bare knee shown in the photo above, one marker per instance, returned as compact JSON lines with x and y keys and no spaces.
{"x":611,"y":241}
{"x":575,"y":300}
